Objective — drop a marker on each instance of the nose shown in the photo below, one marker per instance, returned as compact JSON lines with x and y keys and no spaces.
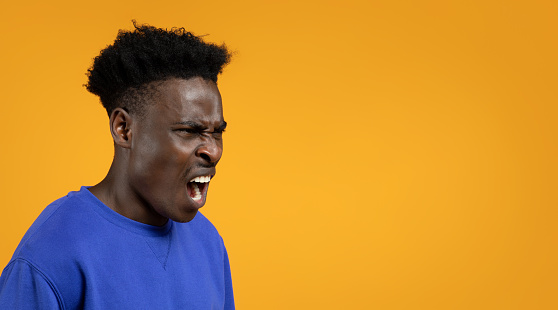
{"x":210,"y":151}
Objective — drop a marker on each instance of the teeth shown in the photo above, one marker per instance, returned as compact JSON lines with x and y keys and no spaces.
{"x":202,"y":179}
{"x":198,"y":195}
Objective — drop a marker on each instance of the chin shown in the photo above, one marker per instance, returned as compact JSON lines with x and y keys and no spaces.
{"x":185,"y":218}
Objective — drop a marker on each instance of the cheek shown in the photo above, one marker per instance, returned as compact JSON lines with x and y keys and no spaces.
{"x":149,"y":157}
{"x":165,"y":161}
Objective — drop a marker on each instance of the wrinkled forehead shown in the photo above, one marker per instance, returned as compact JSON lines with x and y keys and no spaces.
{"x":193,"y":99}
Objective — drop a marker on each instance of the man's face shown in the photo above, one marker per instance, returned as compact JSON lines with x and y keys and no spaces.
{"x":178,"y":140}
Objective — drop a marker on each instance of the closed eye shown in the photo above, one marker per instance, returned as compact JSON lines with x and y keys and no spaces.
{"x":193,"y":128}
{"x":189,"y":130}
{"x":218,"y":133}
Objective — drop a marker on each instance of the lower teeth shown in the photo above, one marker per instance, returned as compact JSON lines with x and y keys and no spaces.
{"x":196,"y":191}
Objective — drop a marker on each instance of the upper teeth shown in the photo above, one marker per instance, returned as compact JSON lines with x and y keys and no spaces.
{"x":202,"y":179}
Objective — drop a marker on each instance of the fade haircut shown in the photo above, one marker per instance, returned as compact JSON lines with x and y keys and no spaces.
{"x":126,"y":74}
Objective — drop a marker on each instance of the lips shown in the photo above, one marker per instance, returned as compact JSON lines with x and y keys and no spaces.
{"x":197,"y":188}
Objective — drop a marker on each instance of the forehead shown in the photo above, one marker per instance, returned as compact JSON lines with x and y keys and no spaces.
{"x":193,"y":99}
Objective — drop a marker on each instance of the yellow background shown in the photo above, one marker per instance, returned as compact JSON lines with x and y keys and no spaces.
{"x":380,"y":154}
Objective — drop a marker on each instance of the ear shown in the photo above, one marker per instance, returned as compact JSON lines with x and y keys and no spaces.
{"x":120,"y":127}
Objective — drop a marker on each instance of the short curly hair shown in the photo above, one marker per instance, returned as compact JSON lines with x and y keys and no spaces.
{"x":126,"y":73}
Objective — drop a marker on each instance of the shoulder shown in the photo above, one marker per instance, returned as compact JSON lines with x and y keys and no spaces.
{"x":24,"y":286}
{"x":57,"y":231}
{"x":204,"y":227}
{"x":200,"y":234}
{"x":43,"y":224}
{"x":202,"y":221}
{"x":65,"y":239}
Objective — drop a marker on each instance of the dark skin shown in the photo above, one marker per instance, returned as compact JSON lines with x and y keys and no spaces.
{"x":178,"y":138}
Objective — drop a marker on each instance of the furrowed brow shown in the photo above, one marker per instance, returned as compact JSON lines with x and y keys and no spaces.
{"x":193,"y":125}
{"x":198,"y":126}
{"x":222,"y":126}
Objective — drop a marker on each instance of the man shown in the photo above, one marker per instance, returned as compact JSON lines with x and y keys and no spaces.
{"x":136,"y":240}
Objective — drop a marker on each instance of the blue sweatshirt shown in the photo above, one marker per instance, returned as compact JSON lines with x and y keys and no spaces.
{"x":80,"y":254}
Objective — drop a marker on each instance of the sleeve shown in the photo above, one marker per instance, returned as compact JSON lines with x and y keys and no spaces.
{"x":229,"y":297}
{"x":23,"y":286}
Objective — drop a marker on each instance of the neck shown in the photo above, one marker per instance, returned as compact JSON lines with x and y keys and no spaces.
{"x":116,"y":193}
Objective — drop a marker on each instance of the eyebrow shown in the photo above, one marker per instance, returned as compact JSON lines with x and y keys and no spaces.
{"x":198,"y":126}
{"x":222,"y":126}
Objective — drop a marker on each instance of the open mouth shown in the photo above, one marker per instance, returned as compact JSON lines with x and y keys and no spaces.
{"x":197,"y":187}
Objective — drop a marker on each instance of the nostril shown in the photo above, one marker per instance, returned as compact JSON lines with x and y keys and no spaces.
{"x":205,"y":157}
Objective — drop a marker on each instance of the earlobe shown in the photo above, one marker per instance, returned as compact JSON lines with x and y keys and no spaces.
{"x":120,"y":127}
